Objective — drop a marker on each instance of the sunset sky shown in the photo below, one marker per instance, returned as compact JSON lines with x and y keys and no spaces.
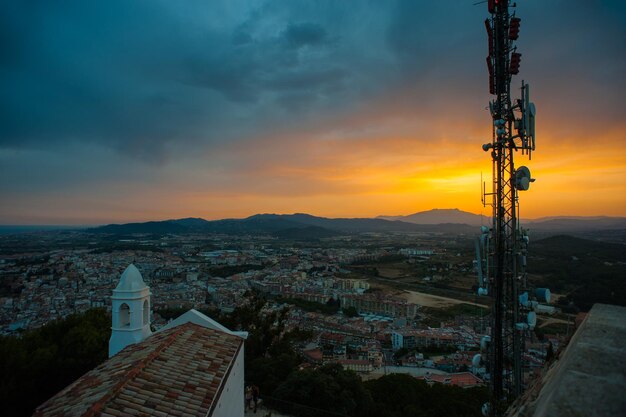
{"x":116,"y":110}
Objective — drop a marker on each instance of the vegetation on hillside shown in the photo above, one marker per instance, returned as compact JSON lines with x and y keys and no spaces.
{"x":400,"y":395}
{"x":433,"y":316}
{"x":41,"y":362}
{"x":330,"y":307}
{"x":587,"y":271}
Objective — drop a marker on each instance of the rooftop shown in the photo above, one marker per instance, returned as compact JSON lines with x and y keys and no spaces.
{"x":178,"y":371}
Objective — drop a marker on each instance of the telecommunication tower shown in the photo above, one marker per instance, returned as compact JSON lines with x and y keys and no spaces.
{"x":501,"y":249}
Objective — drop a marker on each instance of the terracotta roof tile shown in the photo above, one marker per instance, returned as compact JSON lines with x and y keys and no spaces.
{"x":175,"y":371}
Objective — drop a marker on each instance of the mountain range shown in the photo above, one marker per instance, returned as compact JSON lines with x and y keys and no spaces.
{"x":553,"y":223}
{"x":281,"y":225}
{"x":299,"y":225}
{"x":440,"y":216}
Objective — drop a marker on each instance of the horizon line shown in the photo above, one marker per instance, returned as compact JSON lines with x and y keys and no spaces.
{"x":380,"y":217}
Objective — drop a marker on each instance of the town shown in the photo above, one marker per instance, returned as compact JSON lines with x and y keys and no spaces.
{"x":373,"y":303}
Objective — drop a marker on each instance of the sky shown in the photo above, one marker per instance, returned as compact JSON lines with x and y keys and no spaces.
{"x":116,"y":111}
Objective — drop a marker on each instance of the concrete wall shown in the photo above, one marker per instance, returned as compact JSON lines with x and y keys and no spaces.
{"x":589,"y":378}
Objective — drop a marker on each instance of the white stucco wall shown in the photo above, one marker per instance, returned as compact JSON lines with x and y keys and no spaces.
{"x":231,"y":402}
{"x":136,"y":330}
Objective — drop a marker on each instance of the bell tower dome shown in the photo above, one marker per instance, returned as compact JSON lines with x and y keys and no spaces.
{"x":130,"y":308}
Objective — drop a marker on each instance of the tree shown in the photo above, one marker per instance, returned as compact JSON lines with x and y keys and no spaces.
{"x":399,"y":395}
{"x":333,"y":303}
{"x":309,"y":393}
{"x":43,"y":361}
{"x":350,"y":312}
{"x":400,"y":353}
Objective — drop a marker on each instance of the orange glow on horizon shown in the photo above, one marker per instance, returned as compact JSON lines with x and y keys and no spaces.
{"x":362,"y":176}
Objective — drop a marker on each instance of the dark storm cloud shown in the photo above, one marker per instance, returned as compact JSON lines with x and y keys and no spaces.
{"x":161,"y":79}
{"x":79,"y":75}
{"x":139,"y":76}
{"x":302,"y":34}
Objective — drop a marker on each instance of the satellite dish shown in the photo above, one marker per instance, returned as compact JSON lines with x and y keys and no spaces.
{"x":476,"y":360}
{"x":522,"y":178}
{"x":543,"y":295}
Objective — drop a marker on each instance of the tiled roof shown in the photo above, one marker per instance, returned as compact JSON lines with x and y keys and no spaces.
{"x":460,"y":379}
{"x":314,"y":355}
{"x":463,"y":379}
{"x":178,"y":371}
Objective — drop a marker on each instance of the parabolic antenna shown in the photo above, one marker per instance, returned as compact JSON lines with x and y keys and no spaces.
{"x":476,"y":360}
{"x":522,"y":178}
{"x":543,"y":295}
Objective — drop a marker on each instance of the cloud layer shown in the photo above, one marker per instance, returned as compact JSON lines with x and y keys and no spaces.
{"x":227,"y":108}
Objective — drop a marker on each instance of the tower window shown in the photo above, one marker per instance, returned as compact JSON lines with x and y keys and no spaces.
{"x":124,"y":315}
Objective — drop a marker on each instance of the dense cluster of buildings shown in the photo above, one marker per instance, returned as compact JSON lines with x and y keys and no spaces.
{"x":185,"y":273}
{"x":49,"y":284}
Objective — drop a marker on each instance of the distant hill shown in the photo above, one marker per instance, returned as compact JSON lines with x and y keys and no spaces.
{"x":162,"y":227}
{"x":440,"y":216}
{"x":565,"y":247}
{"x":546,"y":225}
{"x":448,"y":221}
{"x":577,"y":224}
{"x":280,"y":225}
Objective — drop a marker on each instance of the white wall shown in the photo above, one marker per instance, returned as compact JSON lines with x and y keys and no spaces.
{"x":135,"y":331}
{"x":231,"y":402}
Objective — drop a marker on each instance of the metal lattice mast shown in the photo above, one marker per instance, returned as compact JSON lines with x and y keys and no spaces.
{"x":501,"y":249}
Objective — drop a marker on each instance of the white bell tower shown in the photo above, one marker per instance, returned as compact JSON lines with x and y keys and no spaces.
{"x":130,"y":308}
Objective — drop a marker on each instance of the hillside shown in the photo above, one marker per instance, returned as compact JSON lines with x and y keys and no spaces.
{"x":578,"y":224}
{"x":298,"y":225}
{"x":440,"y":216}
{"x":587,"y":271}
{"x":280,"y":225}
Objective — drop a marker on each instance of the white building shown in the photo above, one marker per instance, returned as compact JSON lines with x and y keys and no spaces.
{"x":130,"y":308}
{"x":192,"y":366}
